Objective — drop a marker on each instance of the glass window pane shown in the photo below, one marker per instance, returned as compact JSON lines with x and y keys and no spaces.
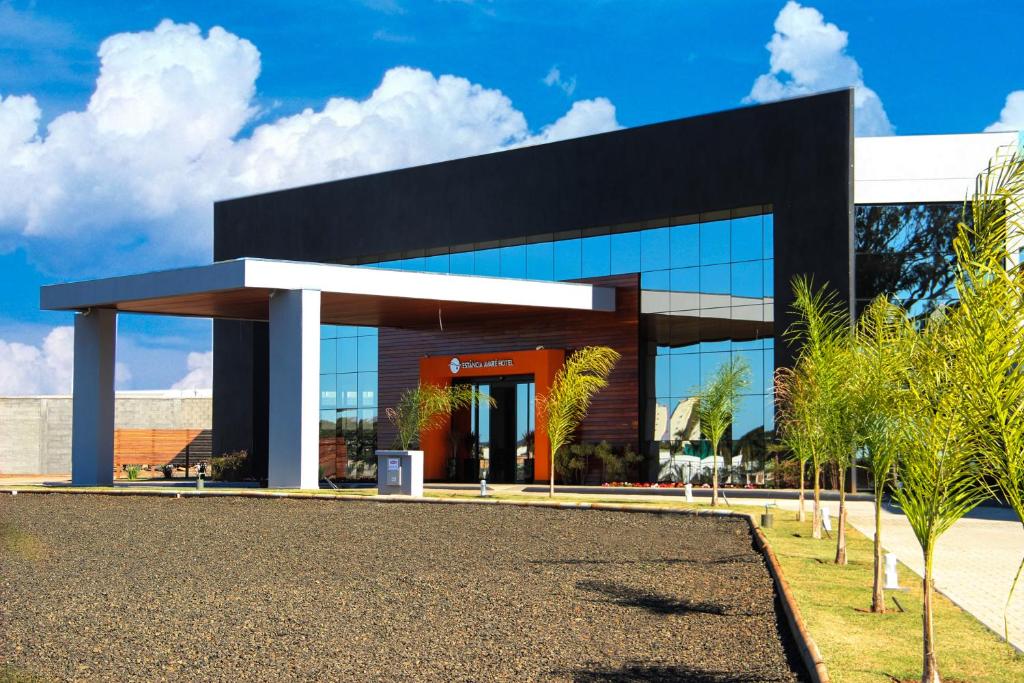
{"x":686,"y":332}
{"x":662,"y":376}
{"x":714,"y":280}
{"x":715,"y":328}
{"x":655,"y":249}
{"x":746,"y":238}
{"x":768,"y":287}
{"x":461,"y":263}
{"x":367,"y":355}
{"x":568,"y":254}
{"x":328,"y":392}
{"x":625,"y":256}
{"x":390,"y":265}
{"x":685,"y":373}
{"x":768,"y":368}
{"x":513,"y":261}
{"x":436,"y":264}
{"x":415,"y":263}
{"x":769,"y":413}
{"x":748,"y":417}
{"x":328,"y":331}
{"x":768,"y":230}
{"x":487,"y":262}
{"x":747,"y":279}
{"x":710,"y":362}
{"x":346,"y":330}
{"x":347,"y":354}
{"x":596,"y":256}
{"x":348,"y":390}
{"x":685,"y":283}
{"x":540,"y":261}
{"x":754,"y":360}
{"x":685,"y":244}
{"x":714,"y":242}
{"x":328,"y":429}
{"x":328,"y":353}
{"x":367,"y":389}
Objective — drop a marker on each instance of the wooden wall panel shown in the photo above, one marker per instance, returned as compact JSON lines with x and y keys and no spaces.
{"x":615,"y":412}
{"x":161,"y":446}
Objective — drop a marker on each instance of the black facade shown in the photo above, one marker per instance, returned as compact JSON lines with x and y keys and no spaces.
{"x":793,"y":156}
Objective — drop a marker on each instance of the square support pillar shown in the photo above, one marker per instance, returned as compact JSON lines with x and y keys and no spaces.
{"x":294,"y":429}
{"x":92,"y":403}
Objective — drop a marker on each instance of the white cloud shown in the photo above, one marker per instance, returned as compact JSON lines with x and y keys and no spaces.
{"x":1012,"y":115}
{"x":200,"y":372}
{"x":128,"y":182}
{"x":809,"y":55}
{"x":554,"y":79}
{"x":27,"y":369}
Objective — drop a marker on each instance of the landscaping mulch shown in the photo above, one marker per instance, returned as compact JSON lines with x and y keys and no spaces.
{"x":225,"y":589}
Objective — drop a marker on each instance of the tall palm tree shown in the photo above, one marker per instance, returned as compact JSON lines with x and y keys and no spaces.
{"x":716,"y":405}
{"x":820,"y":332}
{"x":584,"y":373}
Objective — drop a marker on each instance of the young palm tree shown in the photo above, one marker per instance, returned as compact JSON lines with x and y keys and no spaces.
{"x":427,"y":407}
{"x":941,"y":476}
{"x":584,"y":373}
{"x":716,"y":405}
{"x":989,"y":325}
{"x":881,"y":351}
{"x":793,"y":397}
{"x":820,"y":332}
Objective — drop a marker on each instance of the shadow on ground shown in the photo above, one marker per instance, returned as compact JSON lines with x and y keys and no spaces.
{"x":635,"y":673}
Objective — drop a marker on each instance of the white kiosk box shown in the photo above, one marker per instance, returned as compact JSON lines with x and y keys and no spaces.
{"x":400,"y":472}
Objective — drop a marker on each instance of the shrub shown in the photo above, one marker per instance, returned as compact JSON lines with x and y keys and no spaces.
{"x":230,"y":466}
{"x":133,"y":471}
{"x":618,"y":467}
{"x":572,"y":462}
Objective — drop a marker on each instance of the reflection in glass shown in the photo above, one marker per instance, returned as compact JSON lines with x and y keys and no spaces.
{"x":513,"y":261}
{"x":768,"y":230}
{"x":347,"y":354}
{"x":367,"y":389}
{"x":328,"y":353}
{"x":436,"y":264}
{"x":348,"y":390}
{"x":747,"y":279}
{"x":461,"y":263}
{"x":367,"y":354}
{"x":746,"y":239}
{"x":487,"y":262}
{"x":685,"y":374}
{"x":655,"y":249}
{"x":328,"y":391}
{"x":685,"y":245}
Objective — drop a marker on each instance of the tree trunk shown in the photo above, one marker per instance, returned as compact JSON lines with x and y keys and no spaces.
{"x":551,"y":484}
{"x":841,"y":535}
{"x":801,"y":516}
{"x":877,"y":594}
{"x":930,"y":667}
{"x":816,"y":519}
{"x":714,"y":474}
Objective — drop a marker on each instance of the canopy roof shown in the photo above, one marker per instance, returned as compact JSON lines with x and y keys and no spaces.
{"x":350,"y":295}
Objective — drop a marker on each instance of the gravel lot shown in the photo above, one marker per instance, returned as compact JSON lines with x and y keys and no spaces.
{"x":225,"y":589}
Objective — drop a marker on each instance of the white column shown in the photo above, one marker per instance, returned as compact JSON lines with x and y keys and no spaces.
{"x":294,"y":444}
{"x":92,"y":403}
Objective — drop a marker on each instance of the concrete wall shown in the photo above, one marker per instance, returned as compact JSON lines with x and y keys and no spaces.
{"x":35,"y":431}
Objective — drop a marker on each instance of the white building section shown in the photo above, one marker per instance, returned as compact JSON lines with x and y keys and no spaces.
{"x":923,"y":168}
{"x":295,"y":298}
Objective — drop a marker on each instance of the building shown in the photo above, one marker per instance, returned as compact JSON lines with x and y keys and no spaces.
{"x":693,"y":227}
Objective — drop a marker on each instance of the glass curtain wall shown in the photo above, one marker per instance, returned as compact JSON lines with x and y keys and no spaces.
{"x":348,"y":400}
{"x":707,"y":295}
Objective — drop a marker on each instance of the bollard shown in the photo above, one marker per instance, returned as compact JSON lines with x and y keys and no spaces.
{"x":483,"y":487}
{"x":689,"y":492}
{"x":199,"y":482}
{"x":892,"y":581}
{"x":767,"y":519}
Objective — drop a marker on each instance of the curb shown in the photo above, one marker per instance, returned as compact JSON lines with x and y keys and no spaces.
{"x":808,"y":649}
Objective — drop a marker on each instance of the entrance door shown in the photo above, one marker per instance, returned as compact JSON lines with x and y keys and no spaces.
{"x":499,"y":444}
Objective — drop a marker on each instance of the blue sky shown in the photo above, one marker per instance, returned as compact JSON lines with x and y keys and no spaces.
{"x":86,"y":187}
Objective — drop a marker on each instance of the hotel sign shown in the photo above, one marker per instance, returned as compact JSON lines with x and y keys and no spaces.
{"x":456,"y":365}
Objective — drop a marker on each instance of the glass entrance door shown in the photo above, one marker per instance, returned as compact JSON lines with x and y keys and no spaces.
{"x":498,"y":443}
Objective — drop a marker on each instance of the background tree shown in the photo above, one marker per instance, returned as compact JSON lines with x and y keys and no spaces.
{"x":584,"y":373}
{"x":793,"y":395}
{"x":428,"y":407}
{"x":716,"y":404}
{"x":820,"y":332}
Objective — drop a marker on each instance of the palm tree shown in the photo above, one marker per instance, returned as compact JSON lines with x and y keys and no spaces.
{"x":820,"y":332}
{"x":881,"y":347}
{"x":793,"y":397}
{"x":716,"y":405}
{"x":427,"y":407}
{"x":584,"y":373}
{"x":989,"y":325}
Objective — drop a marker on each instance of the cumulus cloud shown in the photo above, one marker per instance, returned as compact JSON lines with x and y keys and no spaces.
{"x":27,"y":369}
{"x":134,"y":174}
{"x":809,"y":55}
{"x":1012,"y":115}
{"x":554,"y":79}
{"x":200,"y":372}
